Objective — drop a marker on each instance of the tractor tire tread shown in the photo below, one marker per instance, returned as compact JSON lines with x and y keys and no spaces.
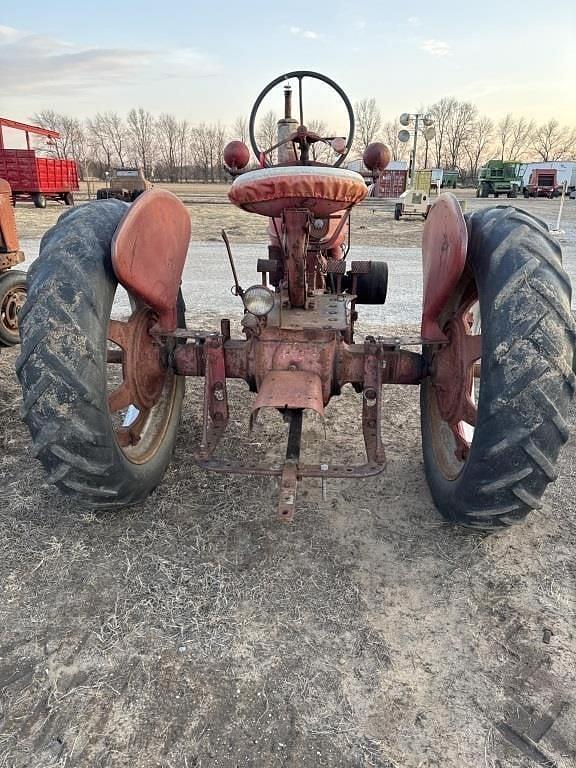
{"x":522,"y":412}
{"x":63,"y":403}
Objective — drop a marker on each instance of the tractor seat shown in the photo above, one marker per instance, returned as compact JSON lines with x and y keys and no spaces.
{"x":321,"y":190}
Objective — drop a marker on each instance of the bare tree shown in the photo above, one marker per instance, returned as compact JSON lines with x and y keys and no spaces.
{"x":183,"y":140}
{"x":109,"y":131}
{"x":207,"y":147}
{"x":390,"y":134}
{"x":477,"y":144}
{"x":513,"y":137}
{"x":441,"y":112}
{"x":267,"y":133}
{"x":368,"y":123}
{"x":141,"y":127}
{"x":167,"y":132}
{"x":70,"y":130}
{"x":553,"y":142}
{"x":240,"y":129}
{"x":458,"y":129}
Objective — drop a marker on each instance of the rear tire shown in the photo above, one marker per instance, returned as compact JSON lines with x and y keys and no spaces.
{"x":12,"y":298}
{"x":398,"y":211}
{"x":372,"y":287}
{"x":484,"y":190}
{"x":39,"y":200}
{"x":68,"y":198}
{"x":63,"y":369}
{"x":526,"y":381}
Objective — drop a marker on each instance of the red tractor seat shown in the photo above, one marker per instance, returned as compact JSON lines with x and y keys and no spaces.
{"x":322,"y":191}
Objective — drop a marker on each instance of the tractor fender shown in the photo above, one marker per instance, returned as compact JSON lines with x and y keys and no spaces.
{"x":444,"y":246}
{"x":149,"y":251}
{"x":8,"y":234}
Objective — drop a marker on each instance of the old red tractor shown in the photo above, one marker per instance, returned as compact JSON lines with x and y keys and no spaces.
{"x":12,"y":281}
{"x":493,"y":358}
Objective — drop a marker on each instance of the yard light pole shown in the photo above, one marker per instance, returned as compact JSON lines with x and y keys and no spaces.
{"x":416,"y":122}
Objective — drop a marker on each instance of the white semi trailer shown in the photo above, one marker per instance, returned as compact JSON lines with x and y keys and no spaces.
{"x":565,"y":172}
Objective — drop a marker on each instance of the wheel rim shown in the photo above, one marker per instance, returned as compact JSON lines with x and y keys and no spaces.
{"x":142,"y":391}
{"x":12,"y":303}
{"x":455,"y":386}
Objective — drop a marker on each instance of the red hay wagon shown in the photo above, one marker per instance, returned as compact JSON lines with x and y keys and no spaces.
{"x":36,"y":178}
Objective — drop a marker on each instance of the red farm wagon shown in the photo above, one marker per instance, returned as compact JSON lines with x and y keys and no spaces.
{"x":36,"y":178}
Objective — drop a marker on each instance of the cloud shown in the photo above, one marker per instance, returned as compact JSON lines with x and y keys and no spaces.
{"x":414,"y":21}
{"x":307,"y":34}
{"x":359,"y":25}
{"x":36,"y":65}
{"x":436,"y":48}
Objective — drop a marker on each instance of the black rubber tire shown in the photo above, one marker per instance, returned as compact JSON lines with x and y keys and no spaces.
{"x":68,"y":198}
{"x":10,"y":281}
{"x":526,"y":194}
{"x":39,"y":200}
{"x":496,"y":195}
{"x":513,"y":194}
{"x":526,"y":381}
{"x":484,"y":190}
{"x":372,"y":287}
{"x":398,"y":211}
{"x":62,"y":365}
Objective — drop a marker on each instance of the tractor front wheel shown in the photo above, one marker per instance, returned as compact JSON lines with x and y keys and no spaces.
{"x":495,"y":404}
{"x":398,"y":211}
{"x":12,"y":298}
{"x":102,"y":405}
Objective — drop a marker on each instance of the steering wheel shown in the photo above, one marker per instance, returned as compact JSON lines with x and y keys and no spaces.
{"x":302,"y":136}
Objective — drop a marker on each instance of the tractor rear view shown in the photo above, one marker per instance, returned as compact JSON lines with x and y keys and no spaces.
{"x":499,"y":178}
{"x":103,"y":396}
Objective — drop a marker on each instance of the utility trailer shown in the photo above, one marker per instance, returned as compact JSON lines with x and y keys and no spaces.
{"x":36,"y":178}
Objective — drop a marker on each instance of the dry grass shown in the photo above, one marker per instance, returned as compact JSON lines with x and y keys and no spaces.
{"x":197,"y":631}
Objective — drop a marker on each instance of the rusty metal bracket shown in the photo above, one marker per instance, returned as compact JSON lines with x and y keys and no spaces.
{"x":215,"y":413}
{"x":372,"y":405}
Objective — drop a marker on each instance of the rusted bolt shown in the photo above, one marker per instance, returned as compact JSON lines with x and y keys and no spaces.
{"x":370,"y":397}
{"x":218,"y":391}
{"x":292,"y":367}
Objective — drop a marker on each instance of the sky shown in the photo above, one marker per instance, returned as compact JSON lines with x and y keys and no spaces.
{"x":207,"y":61}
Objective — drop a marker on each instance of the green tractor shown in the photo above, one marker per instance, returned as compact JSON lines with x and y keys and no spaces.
{"x":498,"y":177}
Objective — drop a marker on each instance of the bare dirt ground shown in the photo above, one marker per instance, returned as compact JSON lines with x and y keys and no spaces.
{"x":196,"y":631}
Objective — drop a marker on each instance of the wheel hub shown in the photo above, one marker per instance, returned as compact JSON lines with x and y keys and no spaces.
{"x":143,"y":365}
{"x":453,"y":378}
{"x":13,"y":303}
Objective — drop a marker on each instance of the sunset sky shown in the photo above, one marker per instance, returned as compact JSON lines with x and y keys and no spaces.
{"x":208,"y":61}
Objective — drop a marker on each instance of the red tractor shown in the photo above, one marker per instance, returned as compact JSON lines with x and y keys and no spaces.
{"x":12,"y":281}
{"x":103,"y":397}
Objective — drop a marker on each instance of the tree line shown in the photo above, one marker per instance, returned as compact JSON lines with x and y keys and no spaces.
{"x":464,"y":139}
{"x":174,"y":150}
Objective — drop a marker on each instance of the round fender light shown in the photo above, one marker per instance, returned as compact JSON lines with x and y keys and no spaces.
{"x":258,"y":300}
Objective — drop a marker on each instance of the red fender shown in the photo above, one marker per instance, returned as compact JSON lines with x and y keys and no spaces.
{"x":149,"y":251}
{"x":444,"y":246}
